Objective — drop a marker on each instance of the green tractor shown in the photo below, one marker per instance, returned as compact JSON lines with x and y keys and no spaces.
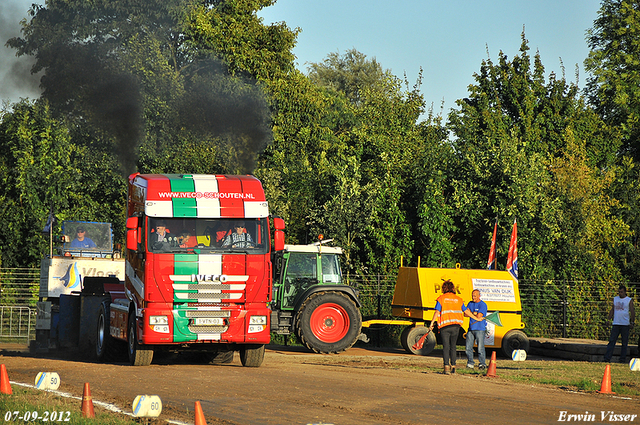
{"x":311,"y":300}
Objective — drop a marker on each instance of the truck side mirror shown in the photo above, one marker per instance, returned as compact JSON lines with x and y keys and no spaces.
{"x":132,"y":233}
{"x":278,"y":236}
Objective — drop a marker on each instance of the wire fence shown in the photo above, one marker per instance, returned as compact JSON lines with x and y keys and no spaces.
{"x":568,"y":309}
{"x":19,"y":286}
{"x":550,"y":309}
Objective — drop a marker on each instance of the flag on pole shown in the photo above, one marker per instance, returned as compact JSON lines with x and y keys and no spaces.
{"x":51,"y":221}
{"x":491,"y":264}
{"x":512,"y":258}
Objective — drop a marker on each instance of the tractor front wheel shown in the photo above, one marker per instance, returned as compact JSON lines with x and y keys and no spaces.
{"x":328,"y":322}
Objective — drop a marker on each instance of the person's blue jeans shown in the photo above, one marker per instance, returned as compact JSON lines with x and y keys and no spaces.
{"x":478,"y":338}
{"x":617,"y":330}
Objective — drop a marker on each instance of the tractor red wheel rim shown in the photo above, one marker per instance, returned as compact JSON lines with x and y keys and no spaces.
{"x":329,"y":323}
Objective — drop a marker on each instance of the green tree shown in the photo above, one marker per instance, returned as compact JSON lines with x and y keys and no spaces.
{"x":160,"y":73}
{"x":509,"y":134}
{"x":43,"y":171}
{"x":343,"y":152}
{"x":613,"y":87}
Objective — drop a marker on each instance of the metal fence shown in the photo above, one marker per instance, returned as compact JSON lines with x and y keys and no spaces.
{"x":549,"y":308}
{"x":18,"y":296}
{"x":17,"y":323}
{"x":19,"y":286}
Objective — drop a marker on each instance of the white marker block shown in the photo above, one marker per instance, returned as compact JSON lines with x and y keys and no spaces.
{"x":634,"y":365}
{"x":47,"y":381}
{"x":519,"y":355}
{"x":147,"y":406}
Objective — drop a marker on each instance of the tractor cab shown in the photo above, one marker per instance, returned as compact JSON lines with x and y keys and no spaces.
{"x":299,"y":267}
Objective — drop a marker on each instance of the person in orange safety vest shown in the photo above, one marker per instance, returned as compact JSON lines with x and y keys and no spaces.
{"x":449,"y":314}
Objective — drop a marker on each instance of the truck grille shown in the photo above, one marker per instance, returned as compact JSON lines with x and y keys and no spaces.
{"x":204,"y":313}
{"x":208,"y":329}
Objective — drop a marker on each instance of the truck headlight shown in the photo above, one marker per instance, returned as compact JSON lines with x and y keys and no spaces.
{"x":257,"y":324}
{"x":158,"y":320}
{"x":258,"y":320}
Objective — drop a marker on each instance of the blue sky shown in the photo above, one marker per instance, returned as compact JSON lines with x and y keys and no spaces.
{"x":447,"y":39}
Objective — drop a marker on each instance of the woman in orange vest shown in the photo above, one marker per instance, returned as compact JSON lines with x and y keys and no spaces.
{"x":450,"y":312}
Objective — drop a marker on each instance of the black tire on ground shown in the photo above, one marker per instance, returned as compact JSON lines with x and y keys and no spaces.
{"x":403,"y":338}
{"x":328,"y":322}
{"x":218,"y":357}
{"x":102,"y":333}
{"x":411,"y":335}
{"x":138,"y":354}
{"x":514,"y":340}
{"x":251,"y":355}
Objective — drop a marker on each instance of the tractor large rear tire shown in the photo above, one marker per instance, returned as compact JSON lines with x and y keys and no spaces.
{"x":138,"y":354}
{"x":328,"y":322}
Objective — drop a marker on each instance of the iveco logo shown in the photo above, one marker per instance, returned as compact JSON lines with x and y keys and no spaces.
{"x":209,"y":278}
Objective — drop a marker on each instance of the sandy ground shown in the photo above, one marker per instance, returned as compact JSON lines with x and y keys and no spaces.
{"x":361,"y":386}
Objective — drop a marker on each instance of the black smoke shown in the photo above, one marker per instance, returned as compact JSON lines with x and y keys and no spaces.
{"x":84,"y":83}
{"x":15,"y":72}
{"x":232,"y":108}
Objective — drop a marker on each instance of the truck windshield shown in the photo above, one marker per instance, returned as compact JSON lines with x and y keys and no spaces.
{"x":87,"y":239}
{"x":208,"y":234}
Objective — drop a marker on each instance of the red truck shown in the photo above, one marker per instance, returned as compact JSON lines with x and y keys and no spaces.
{"x":198,"y":276}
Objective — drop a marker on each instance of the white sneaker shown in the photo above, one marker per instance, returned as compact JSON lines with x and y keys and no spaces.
{"x":469,"y":366}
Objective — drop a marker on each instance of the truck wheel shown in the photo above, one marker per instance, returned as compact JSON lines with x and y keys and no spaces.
{"x":251,"y":355}
{"x":138,"y":356}
{"x":411,"y":335}
{"x":514,"y":340}
{"x":102,"y":333}
{"x":328,"y":322}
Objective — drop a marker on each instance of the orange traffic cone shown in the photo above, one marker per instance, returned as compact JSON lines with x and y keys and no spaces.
{"x":5,"y":385}
{"x":605,"y":388}
{"x":200,"y":415}
{"x":87,"y":402}
{"x":491,"y":372}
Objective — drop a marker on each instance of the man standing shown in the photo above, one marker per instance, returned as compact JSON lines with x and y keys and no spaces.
{"x":477,"y":329}
{"x":623,"y":314}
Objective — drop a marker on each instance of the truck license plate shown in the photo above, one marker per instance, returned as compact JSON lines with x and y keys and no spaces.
{"x":207,"y":321}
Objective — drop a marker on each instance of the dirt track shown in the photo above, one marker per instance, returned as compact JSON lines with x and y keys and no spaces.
{"x":294,"y":387}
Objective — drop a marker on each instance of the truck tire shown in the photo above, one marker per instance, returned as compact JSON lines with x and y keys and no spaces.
{"x":412,"y":334}
{"x":251,"y":355}
{"x":138,"y":356}
{"x":328,"y":322}
{"x":102,"y":333}
{"x":514,"y":340}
